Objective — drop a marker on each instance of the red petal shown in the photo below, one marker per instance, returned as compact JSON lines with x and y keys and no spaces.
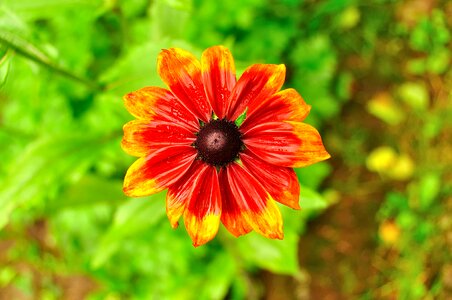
{"x":257,"y":83}
{"x":154,"y":103}
{"x":218,"y":71}
{"x":232,"y":217}
{"x":203,"y":211}
{"x":157,"y":171}
{"x":287,"y":105}
{"x":142,"y":137}
{"x":249,"y":202}
{"x":181,"y":71}
{"x":287,"y":144}
{"x":178,"y":193}
{"x":280,"y":182}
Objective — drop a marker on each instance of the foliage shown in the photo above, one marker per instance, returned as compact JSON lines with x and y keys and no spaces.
{"x":64,"y":72}
{"x":64,"y":67}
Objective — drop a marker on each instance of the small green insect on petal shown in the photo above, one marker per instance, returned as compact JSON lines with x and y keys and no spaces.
{"x":241,"y":118}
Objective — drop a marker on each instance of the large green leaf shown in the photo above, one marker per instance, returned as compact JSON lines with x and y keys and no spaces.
{"x":313,"y":175}
{"x":279,"y":256}
{"x":86,"y":192}
{"x":43,"y":167}
{"x":134,"y":216}
{"x":311,"y":200}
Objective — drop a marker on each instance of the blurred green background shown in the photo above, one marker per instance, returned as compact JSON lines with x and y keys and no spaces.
{"x":376,"y":221}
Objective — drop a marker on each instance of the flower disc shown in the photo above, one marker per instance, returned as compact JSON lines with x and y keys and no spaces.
{"x":219,"y":142}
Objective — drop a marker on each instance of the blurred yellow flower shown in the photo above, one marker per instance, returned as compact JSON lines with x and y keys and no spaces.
{"x":385,"y":161}
{"x":389,"y":232}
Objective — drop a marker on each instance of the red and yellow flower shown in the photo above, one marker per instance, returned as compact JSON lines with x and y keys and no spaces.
{"x":217,"y":167}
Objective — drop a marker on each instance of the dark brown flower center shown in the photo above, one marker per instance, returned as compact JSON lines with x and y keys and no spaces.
{"x":219,"y":142}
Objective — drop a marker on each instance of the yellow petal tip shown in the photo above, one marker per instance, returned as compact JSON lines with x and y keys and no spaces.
{"x":202,"y":230}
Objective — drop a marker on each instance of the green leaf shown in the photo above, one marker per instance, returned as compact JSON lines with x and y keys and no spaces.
{"x":39,"y":9}
{"x":7,"y":275}
{"x":23,"y":46}
{"x":5,"y":57}
{"x":311,"y":200}
{"x":9,"y":20}
{"x":386,"y":109}
{"x":313,"y":175}
{"x":315,"y":63}
{"x":438,"y":62}
{"x":215,"y":284}
{"x":134,"y":70}
{"x":42,"y":167}
{"x":164,"y":12}
{"x":429,"y":188}
{"x":138,"y":67}
{"x":86,"y":192}
{"x":349,"y":17}
{"x":279,"y":256}
{"x":433,"y":125}
{"x":27,"y":5}
{"x":134,"y":216}
{"x":407,"y":220}
{"x":415,"y":94}
{"x":344,"y":86}
{"x":239,"y":287}
{"x":294,"y":219}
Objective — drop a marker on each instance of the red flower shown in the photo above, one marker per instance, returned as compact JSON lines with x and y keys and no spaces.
{"x":214,"y":168}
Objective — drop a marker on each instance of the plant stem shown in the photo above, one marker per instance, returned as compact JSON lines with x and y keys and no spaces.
{"x":28,"y":50}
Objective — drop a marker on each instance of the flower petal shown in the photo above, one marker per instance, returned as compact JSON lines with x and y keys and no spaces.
{"x":178,"y":193}
{"x":141,"y":137}
{"x":286,"y":144}
{"x":287,"y":105}
{"x":157,"y":171}
{"x":280,"y":182}
{"x":154,"y":103}
{"x":231,"y":216}
{"x":181,"y":71}
{"x":257,"y":83}
{"x":203,"y":211}
{"x":218,"y":72}
{"x":256,"y":206}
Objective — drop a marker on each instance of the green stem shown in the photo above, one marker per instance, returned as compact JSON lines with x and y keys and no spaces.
{"x":28,"y":50}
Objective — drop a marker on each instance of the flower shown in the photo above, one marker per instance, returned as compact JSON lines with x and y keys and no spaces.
{"x":217,"y":167}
